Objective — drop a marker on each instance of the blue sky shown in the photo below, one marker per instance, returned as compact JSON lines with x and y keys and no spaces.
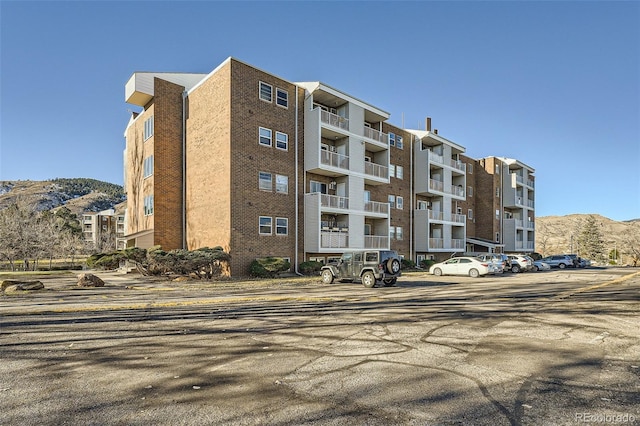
{"x":554,"y":84}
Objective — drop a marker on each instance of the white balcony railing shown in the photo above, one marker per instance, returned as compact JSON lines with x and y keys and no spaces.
{"x":453,"y":217}
{"x":530,"y":203}
{"x":457,"y":164}
{"x":376,"y":170}
{"x":333,"y":159}
{"x":334,"y":120}
{"x":376,"y":207}
{"x":376,"y":241}
{"x":375,"y":135}
{"x":436,"y":185}
{"x":441,"y":243}
{"x":334,"y":201}
{"x":330,"y":239}
{"x":436,"y":158}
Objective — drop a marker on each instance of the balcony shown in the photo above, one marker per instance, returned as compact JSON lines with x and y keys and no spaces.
{"x":334,"y":239}
{"x":442,"y":244}
{"x":376,"y":170}
{"x":334,"y":202}
{"x":438,"y":186}
{"x":333,"y":159}
{"x":376,"y":135}
{"x":334,"y":120}
{"x":442,"y":217}
{"x":376,"y":207}
{"x":376,"y":242}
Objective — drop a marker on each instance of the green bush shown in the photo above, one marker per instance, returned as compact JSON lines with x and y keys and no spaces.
{"x":310,"y":267}
{"x":408,"y":264}
{"x":426,"y":263}
{"x":268,"y":267}
{"x":201,"y":263}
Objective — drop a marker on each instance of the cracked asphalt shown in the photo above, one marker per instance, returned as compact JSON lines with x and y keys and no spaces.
{"x":546,"y":348}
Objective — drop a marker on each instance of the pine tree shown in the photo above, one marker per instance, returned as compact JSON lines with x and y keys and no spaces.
{"x":590,"y":240}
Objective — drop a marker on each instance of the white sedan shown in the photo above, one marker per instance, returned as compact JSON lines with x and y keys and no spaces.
{"x":460,"y":266}
{"x":539,"y":265}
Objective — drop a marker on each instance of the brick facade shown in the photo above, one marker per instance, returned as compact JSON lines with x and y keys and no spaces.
{"x":224,"y":197}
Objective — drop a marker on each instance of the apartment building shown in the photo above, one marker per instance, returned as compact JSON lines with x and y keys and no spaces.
{"x":261,"y":166}
{"x":104,"y":229}
{"x":506,"y":214}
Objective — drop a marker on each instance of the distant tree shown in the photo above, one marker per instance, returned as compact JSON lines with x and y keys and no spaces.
{"x":631,"y":244}
{"x":590,"y":239}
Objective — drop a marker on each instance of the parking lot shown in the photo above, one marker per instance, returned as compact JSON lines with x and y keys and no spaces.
{"x":552,"y":348}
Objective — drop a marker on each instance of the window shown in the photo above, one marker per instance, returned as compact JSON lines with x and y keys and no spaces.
{"x":265,"y":225}
{"x":398,"y":232}
{"x":367,"y":229}
{"x":392,"y":170}
{"x":282,"y":98}
{"x":459,"y":210}
{"x":470,"y":191}
{"x":265,"y":181}
{"x":266,"y":92}
{"x":282,"y":141}
{"x":497,"y":214}
{"x":282,"y":184}
{"x":316,"y":259}
{"x":422,"y":205}
{"x":497,"y":236}
{"x":392,"y":139}
{"x":470,"y":214}
{"x":148,"y":205}
{"x":497,"y":169}
{"x":398,"y":141}
{"x":469,"y":168}
{"x":148,"y":128}
{"x":392,"y":232}
{"x":497,"y":192}
{"x":392,"y":201}
{"x":265,"y":136}
{"x":399,"y":172}
{"x":318,"y":187}
{"x":148,"y":166}
{"x":282,"y":226}
{"x":399,"y":203}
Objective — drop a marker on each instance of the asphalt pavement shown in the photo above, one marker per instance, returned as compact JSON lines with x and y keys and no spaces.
{"x":544,"y":348}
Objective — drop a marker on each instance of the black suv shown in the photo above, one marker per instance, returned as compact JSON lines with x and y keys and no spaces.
{"x":366,"y":266}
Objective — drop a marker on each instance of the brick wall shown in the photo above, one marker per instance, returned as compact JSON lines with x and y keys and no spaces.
{"x":248,"y":158}
{"x":167,"y":176}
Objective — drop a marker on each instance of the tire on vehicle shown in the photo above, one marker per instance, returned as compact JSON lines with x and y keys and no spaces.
{"x":393,"y":266}
{"x":473,"y":273}
{"x":368,"y":279}
{"x":437,"y":272}
{"x":562,"y":266}
{"x":390,"y":282}
{"x":515,"y":269}
{"x":327,"y":276}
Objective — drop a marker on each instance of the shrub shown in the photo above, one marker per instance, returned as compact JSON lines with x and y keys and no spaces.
{"x":268,"y":267}
{"x":426,"y":263}
{"x":202,"y":263}
{"x":408,"y":264}
{"x":310,"y":267}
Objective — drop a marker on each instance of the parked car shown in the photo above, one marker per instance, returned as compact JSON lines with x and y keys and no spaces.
{"x":558,"y":261}
{"x":539,"y":265}
{"x":497,"y":261}
{"x":584,"y":263}
{"x":366,"y":266}
{"x":520,"y":263}
{"x":465,"y":265}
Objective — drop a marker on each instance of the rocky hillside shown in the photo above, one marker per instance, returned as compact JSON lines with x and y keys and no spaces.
{"x":78,"y":195}
{"x":559,"y":234}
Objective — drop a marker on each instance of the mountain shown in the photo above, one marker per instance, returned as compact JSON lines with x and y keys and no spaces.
{"x":559,"y":234}
{"x":77,"y":194}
